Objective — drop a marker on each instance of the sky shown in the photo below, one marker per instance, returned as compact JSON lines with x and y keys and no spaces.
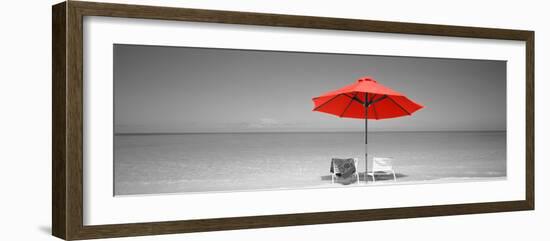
{"x":161,"y":89}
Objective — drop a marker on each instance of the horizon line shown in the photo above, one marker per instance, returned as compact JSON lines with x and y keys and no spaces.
{"x":287,"y":132}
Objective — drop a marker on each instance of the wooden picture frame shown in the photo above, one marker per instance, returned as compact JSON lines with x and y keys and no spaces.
{"x":67,"y":150}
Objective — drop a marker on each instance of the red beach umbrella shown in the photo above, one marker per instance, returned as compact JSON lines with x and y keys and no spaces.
{"x":365,"y":99}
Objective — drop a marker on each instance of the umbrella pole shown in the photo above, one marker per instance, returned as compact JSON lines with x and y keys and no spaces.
{"x":366,"y":134}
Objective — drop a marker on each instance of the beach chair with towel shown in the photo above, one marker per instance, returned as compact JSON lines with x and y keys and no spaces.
{"x":382,"y":165}
{"x":344,"y":168}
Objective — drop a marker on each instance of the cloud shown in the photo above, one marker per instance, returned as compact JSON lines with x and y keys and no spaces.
{"x":264,"y":123}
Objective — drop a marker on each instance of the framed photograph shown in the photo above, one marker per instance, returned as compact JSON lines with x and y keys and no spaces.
{"x":171,"y":120}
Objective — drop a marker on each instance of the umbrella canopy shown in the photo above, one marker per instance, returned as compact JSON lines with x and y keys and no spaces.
{"x":349,"y":101}
{"x":365,"y":99}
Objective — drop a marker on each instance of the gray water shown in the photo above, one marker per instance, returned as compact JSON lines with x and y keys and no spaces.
{"x":154,"y":164}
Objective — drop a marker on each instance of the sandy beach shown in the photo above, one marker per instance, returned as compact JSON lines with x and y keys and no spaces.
{"x":191,"y":163}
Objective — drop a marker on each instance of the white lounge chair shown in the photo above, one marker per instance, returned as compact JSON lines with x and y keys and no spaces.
{"x":382,"y":165}
{"x":356,"y":173}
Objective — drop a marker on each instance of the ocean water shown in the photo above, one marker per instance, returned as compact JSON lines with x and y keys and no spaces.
{"x":187,"y":163}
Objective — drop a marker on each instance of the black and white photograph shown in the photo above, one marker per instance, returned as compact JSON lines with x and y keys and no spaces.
{"x":196,"y":120}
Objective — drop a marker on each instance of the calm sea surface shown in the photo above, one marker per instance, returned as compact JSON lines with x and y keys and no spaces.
{"x":151,"y":164}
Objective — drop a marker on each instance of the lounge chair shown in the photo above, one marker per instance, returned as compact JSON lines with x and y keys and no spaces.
{"x":344,"y":168}
{"x":382,"y":165}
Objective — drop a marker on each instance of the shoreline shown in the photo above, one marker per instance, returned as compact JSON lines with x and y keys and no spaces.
{"x":224,"y":162}
{"x":446,"y":180}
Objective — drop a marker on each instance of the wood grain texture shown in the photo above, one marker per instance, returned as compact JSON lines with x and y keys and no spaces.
{"x":280,"y":20}
{"x":67,"y":179}
{"x":530,"y":120}
{"x":74,"y":121}
{"x":58,"y":121}
{"x":156,"y":228}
